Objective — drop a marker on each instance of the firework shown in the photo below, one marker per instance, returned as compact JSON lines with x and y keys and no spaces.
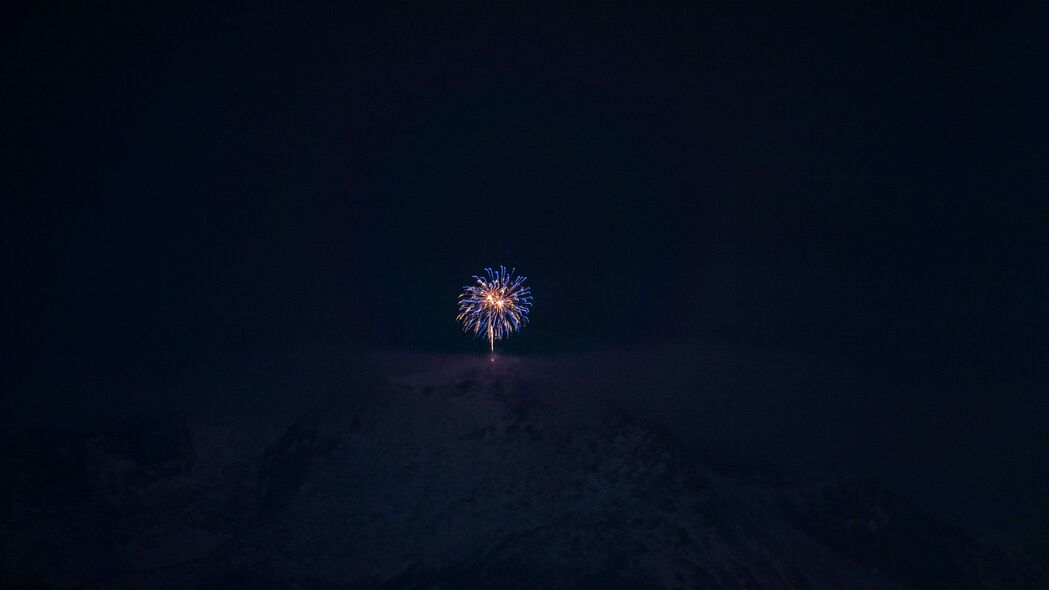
{"x":495,"y":305}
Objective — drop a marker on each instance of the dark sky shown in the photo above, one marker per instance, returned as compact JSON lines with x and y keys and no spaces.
{"x":867,"y":184}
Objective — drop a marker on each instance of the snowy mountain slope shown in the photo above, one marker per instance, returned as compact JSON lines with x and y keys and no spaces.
{"x":455,"y":473}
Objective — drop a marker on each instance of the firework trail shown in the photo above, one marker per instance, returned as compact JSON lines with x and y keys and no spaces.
{"x":495,"y":305}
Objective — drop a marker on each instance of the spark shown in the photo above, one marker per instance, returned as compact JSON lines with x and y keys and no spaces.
{"x":495,"y":305}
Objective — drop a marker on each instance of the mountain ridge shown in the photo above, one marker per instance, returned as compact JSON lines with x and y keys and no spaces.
{"x":473,"y":473}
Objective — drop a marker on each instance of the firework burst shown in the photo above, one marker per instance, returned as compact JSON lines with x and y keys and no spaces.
{"x":495,"y":305}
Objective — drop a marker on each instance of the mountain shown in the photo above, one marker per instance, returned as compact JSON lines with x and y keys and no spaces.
{"x":448,"y":472}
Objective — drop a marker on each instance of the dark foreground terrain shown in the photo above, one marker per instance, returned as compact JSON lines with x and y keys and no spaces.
{"x":449,"y":473}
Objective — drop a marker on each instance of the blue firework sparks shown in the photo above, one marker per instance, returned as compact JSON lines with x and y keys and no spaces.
{"x":495,"y":305}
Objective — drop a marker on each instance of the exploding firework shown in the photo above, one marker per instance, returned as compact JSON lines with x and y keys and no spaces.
{"x":495,"y":306}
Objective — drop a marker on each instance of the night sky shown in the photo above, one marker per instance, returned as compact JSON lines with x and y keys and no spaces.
{"x":863,"y":185}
